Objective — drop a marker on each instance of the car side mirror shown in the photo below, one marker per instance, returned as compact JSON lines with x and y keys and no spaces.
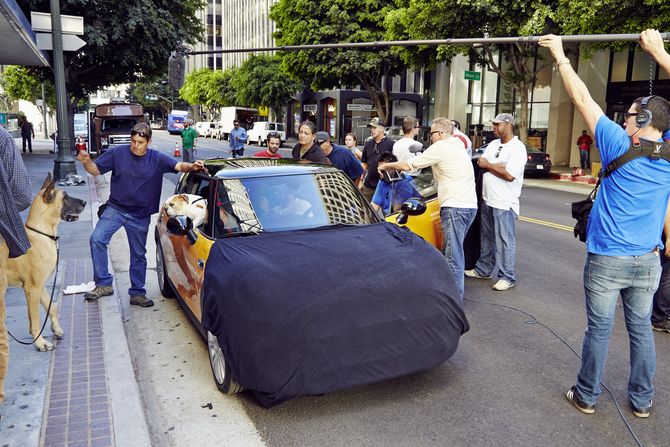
{"x":411,"y":207}
{"x":181,"y":226}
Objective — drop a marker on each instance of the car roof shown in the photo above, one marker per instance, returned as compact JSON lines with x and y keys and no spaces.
{"x":262,"y":167}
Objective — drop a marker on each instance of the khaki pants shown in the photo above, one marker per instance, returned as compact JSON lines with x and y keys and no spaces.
{"x":368,"y":192}
{"x":4,"y":343}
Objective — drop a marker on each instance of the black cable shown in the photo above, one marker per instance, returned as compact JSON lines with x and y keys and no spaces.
{"x":534,"y":321}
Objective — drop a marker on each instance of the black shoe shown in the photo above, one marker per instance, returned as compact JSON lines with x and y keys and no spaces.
{"x":661,"y":326}
{"x":572,"y":396}
{"x":642,"y":412}
{"x":141,"y":300}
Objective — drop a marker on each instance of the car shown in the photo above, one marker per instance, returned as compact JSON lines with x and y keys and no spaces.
{"x":198,"y":126}
{"x":259,"y":132}
{"x":283,"y":309}
{"x":206,"y":129}
{"x":538,"y":163}
{"x":393,"y":132}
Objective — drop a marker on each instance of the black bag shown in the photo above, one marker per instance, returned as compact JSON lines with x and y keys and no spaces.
{"x":101,"y":209}
{"x":581,"y":211}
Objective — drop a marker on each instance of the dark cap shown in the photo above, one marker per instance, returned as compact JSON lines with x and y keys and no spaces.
{"x":376,"y":121}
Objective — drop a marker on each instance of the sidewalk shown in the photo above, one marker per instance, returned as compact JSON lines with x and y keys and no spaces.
{"x":83,"y":393}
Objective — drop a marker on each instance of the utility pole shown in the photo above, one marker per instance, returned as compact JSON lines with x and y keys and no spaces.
{"x":64,"y":163}
{"x":44,"y":113}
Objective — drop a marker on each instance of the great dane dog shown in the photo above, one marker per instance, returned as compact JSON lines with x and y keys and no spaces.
{"x":32,"y":270}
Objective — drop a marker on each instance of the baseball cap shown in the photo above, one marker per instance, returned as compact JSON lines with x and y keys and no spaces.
{"x":503,"y":118}
{"x":376,"y":121}
{"x":322,"y":136}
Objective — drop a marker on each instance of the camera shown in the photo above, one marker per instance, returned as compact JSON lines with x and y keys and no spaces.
{"x":392,"y":175}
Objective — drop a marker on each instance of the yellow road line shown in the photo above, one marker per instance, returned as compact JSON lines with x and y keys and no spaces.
{"x":546,"y":224}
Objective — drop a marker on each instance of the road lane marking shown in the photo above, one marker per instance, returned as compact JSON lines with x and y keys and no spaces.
{"x":546,"y":224}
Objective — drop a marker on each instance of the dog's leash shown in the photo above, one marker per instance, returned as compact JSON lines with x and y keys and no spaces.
{"x":53,"y":288}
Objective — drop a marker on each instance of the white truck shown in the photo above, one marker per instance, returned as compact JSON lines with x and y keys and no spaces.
{"x":228,"y":114}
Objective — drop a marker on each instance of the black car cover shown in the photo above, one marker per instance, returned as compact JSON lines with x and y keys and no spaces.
{"x":309,"y":312}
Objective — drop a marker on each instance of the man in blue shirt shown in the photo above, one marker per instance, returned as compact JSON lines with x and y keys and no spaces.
{"x":236,"y":139}
{"x":389,"y":196}
{"x":623,"y":234}
{"x":340,"y":157}
{"x":135,"y":192}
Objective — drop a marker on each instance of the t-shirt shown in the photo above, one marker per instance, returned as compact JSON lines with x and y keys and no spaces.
{"x":401,"y":149}
{"x":342,"y":158}
{"x":388,"y":195}
{"x":628,"y":214}
{"x":188,"y":136}
{"x":136,"y":183}
{"x":26,"y":129}
{"x":371,"y":153}
{"x":498,"y":192}
{"x":466,"y":141}
{"x":267,"y":154}
{"x":584,"y":142}
{"x":314,"y":154}
{"x":452,"y":170}
{"x":299,"y":207}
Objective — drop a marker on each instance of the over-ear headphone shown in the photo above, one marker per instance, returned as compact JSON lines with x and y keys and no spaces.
{"x":644,"y":116}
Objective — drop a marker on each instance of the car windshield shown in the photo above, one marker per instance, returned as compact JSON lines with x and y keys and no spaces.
{"x":533,"y":150}
{"x":288,"y":203}
{"x":118,"y":123}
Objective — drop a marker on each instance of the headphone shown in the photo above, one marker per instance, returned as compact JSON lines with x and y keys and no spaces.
{"x":644,"y":116}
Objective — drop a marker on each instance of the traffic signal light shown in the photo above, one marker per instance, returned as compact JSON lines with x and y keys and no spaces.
{"x":146,"y":96}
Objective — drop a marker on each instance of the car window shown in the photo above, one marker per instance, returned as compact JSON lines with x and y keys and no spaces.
{"x":280,"y":127}
{"x":271,"y":126}
{"x":118,"y":123}
{"x":425,"y":184}
{"x":533,"y":150}
{"x":288,"y":203}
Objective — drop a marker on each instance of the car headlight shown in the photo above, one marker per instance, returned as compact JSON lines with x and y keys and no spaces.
{"x":104,"y":141}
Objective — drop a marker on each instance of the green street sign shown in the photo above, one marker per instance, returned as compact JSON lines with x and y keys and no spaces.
{"x":473,"y":76}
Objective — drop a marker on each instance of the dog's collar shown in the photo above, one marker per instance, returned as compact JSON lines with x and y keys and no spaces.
{"x":197,"y":200}
{"x":53,"y":238}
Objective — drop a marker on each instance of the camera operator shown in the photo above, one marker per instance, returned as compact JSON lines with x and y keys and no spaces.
{"x":393,"y":189}
{"x":455,"y":178}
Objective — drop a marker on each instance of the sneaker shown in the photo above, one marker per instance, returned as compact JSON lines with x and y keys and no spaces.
{"x":99,"y":292}
{"x":141,"y":300}
{"x":572,"y":396}
{"x":661,"y":326}
{"x":503,"y":284}
{"x":473,"y":274}
{"x":642,"y":412}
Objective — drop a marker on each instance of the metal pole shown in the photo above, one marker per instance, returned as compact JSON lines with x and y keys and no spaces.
{"x":468,"y":41}
{"x":64,"y":163}
{"x":44,"y":113}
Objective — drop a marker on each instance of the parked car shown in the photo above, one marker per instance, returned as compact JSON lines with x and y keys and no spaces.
{"x":280,"y":328}
{"x":220,"y":132}
{"x":206,"y":129}
{"x":393,"y":132}
{"x":259,"y":132}
{"x":538,"y":163}
{"x":198,"y":126}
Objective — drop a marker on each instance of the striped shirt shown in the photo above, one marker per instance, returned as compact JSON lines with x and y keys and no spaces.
{"x":15,"y":194}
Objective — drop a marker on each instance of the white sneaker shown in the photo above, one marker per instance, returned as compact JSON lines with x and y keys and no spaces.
{"x":473,"y":274}
{"x":503,"y":284}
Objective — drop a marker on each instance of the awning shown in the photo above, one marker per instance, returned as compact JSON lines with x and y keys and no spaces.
{"x":18,"y":38}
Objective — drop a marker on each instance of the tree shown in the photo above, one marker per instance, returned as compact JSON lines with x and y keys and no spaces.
{"x":224,"y":88}
{"x":142,"y":92}
{"x":125,"y":41}
{"x":260,"y":81}
{"x":201,"y":87}
{"x":426,"y":19}
{"x":302,"y":22}
{"x":21,"y":83}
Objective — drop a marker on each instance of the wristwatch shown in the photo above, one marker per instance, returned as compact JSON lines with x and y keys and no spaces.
{"x":562,"y":61}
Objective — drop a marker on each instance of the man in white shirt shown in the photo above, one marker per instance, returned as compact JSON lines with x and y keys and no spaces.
{"x":504,"y":160}
{"x":406,"y":147}
{"x":455,"y":177}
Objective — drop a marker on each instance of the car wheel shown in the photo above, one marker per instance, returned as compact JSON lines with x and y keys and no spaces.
{"x":224,"y":378}
{"x":260,"y":141}
{"x":161,"y":273}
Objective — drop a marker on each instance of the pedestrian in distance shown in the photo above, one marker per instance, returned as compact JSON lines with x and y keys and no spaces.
{"x":455,"y":178}
{"x":660,"y":311}
{"x":351,"y":142}
{"x":407,"y":147}
{"x":188,"y":139}
{"x":340,"y":157}
{"x":26,"y":132}
{"x":503,"y":161}
{"x":15,"y":195}
{"x":584,"y":142}
{"x":372,"y":150}
{"x":623,"y":234}
{"x":236,"y":139}
{"x":137,"y":177}
{"x":307,"y":150}
{"x":274,"y":142}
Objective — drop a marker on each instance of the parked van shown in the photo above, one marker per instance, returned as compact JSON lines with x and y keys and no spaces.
{"x":259,"y":133}
{"x":206,"y":129}
{"x":113,"y":123}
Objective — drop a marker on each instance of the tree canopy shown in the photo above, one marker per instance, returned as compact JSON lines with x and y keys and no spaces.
{"x":167,"y":98}
{"x":126,"y":41}
{"x":425,"y":19}
{"x":21,"y":83}
{"x":201,"y":87}
{"x":301,"y":22}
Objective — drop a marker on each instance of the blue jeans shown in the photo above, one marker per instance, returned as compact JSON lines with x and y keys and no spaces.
{"x":455,"y":225}
{"x":137,"y":229}
{"x":498,"y":228}
{"x":636,"y":279}
{"x":584,"y":157}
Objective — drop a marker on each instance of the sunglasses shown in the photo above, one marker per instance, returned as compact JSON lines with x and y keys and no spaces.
{"x":140,"y":133}
{"x":435,"y":131}
{"x":628,"y":115}
{"x":320,"y":143}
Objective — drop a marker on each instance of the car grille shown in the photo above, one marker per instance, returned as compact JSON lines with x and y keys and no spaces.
{"x":115,"y":140}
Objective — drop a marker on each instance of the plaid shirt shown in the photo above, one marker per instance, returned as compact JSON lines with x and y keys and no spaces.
{"x":15,"y":194}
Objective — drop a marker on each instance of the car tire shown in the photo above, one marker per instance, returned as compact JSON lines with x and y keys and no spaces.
{"x":260,"y":141}
{"x":161,"y":274}
{"x":223,"y":376}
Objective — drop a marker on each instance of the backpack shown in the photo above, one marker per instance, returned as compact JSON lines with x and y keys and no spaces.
{"x":654,"y":150}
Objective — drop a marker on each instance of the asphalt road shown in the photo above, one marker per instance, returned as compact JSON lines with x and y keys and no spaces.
{"x":504,"y":385}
